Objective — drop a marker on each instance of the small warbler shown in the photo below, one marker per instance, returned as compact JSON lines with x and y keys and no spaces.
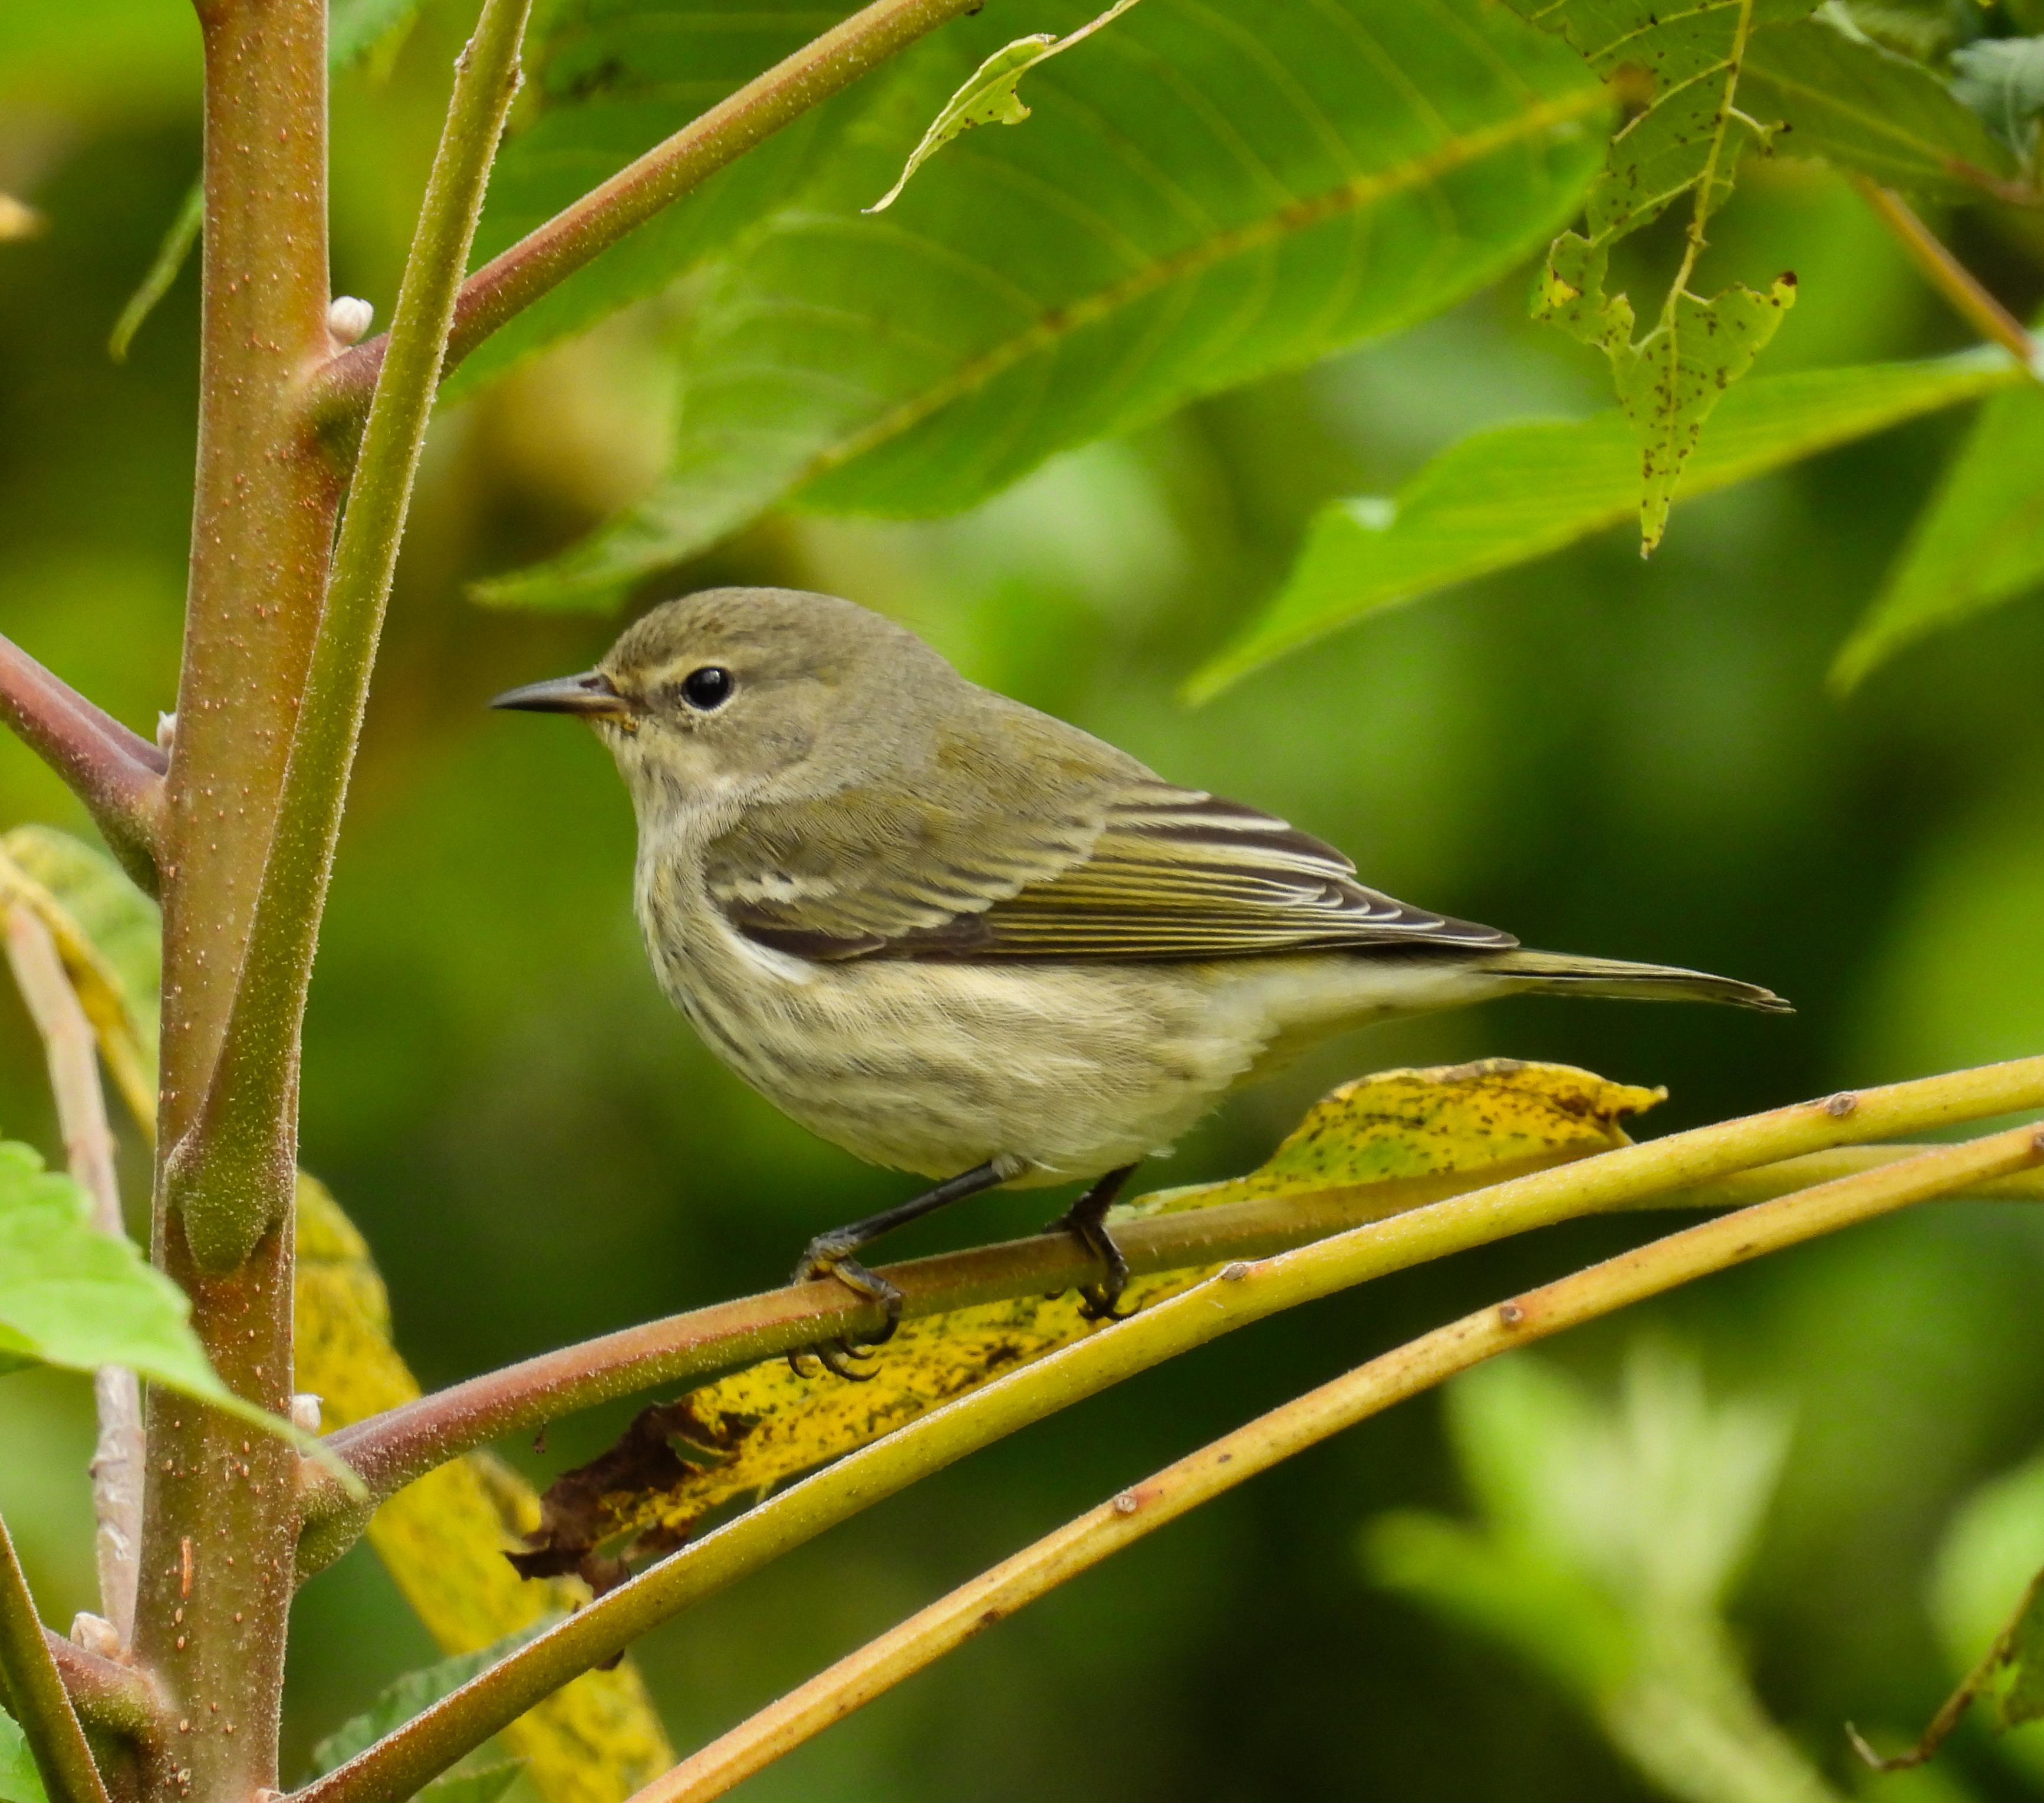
{"x":959,"y":938}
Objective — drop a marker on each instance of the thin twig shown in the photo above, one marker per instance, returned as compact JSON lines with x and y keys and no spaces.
{"x":41,"y":1703}
{"x":233,"y":1174}
{"x":402,"y":1763}
{"x":70,"y":1048}
{"x":390,"y":1450}
{"x":546,"y":257}
{"x":116,"y":773}
{"x":1142,"y":1508}
{"x":1949,"y":277}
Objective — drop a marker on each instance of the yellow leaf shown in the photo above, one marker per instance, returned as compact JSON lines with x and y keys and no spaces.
{"x":443,"y":1538}
{"x":738,"y":1437}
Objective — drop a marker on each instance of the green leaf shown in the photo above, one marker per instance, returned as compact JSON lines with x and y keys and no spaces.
{"x":1686,"y":141}
{"x":2002,"y":80}
{"x":613,"y":79}
{"x":1201,"y":202}
{"x":171,"y":255}
{"x":75,"y":1297}
{"x":20,"y":1782}
{"x":414,"y":1694}
{"x":1980,"y":541}
{"x":1843,"y":97}
{"x":991,"y":95}
{"x":1506,"y":495}
{"x":355,"y":28}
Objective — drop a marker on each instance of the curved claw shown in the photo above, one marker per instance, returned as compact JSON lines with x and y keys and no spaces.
{"x":1098,"y":1302}
{"x":825,"y":1259}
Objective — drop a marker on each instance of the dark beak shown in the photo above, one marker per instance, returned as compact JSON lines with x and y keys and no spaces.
{"x":590,"y":695}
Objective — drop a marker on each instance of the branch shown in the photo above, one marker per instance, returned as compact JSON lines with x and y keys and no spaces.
{"x":231,"y":1177}
{"x":40,"y":1701}
{"x":110,"y":1696}
{"x":71,"y":1049}
{"x":1944,"y":271}
{"x":116,"y":773}
{"x":390,"y":1450}
{"x":399,"y":1765}
{"x":1142,"y":1508}
{"x":544,"y":258}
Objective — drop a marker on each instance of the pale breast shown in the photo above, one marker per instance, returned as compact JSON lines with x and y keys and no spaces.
{"x":1072,"y":1069}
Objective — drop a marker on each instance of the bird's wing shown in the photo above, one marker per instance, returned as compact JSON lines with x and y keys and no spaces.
{"x":1145,"y":871}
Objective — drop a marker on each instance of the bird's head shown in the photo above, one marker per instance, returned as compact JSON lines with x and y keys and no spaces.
{"x":720,"y":693}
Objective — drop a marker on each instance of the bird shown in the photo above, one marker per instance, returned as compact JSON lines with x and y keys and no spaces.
{"x":963,"y":939}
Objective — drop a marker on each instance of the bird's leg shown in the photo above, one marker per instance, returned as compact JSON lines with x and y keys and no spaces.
{"x":829,"y":1255}
{"x":1086,"y":1221}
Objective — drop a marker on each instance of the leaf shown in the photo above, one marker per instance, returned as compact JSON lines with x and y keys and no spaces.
{"x":1670,"y":381}
{"x":1842,"y":96}
{"x":2002,"y":80}
{"x":1413,"y":1123}
{"x":111,"y":939}
{"x":733,"y":1438}
{"x":1201,"y":204}
{"x":613,"y":78}
{"x":20,"y":1782}
{"x":1979,"y":541}
{"x":1509,"y":495}
{"x":75,"y":1297}
{"x":1608,"y":1539}
{"x":1686,"y":140}
{"x":413,"y":1695}
{"x":598,"y":1739}
{"x":355,"y":28}
{"x":990,"y":96}
{"x":2022,"y":1700}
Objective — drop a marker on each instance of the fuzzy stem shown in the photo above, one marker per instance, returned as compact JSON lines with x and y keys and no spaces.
{"x":1142,"y":1508}
{"x":232,"y":1177}
{"x":390,"y":1450}
{"x":36,"y":1692}
{"x":544,"y":258}
{"x":1944,"y":271}
{"x":70,"y":1048}
{"x":107,"y":1695}
{"x":116,"y":773}
{"x":400,"y":1764}
{"x":219,"y":1517}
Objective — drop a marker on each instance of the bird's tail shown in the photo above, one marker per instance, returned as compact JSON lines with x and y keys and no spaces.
{"x":1556,"y":973}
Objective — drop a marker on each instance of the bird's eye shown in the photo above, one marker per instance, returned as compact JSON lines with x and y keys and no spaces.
{"x":707,"y":688}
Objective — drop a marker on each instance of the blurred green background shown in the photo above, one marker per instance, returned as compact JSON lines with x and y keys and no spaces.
{"x":1603,"y":756}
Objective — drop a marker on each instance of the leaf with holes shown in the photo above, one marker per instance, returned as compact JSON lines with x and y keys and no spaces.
{"x":1686,"y":140}
{"x":1207,"y":195}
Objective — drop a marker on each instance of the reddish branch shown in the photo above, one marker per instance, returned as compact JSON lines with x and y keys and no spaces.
{"x":544,"y":258}
{"x":116,"y":773}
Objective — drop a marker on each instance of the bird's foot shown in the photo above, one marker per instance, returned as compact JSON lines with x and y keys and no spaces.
{"x":1098,"y":1301}
{"x":829,"y":1255}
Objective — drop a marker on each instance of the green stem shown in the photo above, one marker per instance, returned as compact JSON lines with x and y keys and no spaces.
{"x":543,"y":259}
{"x":233,"y":1177}
{"x":41,"y":1703}
{"x":1142,"y":1508}
{"x":391,"y":1449}
{"x":399,"y":1765}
